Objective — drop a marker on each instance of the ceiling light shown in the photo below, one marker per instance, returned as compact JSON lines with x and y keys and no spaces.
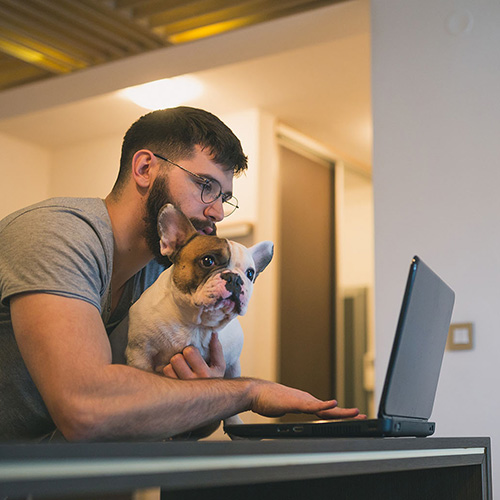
{"x":166,"y":93}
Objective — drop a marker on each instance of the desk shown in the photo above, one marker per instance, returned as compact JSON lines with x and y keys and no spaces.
{"x":409,"y":468}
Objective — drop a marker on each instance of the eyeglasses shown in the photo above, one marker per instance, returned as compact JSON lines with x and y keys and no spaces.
{"x":211,"y":190}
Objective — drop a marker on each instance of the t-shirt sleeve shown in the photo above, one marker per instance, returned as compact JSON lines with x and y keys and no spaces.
{"x":53,"y":250}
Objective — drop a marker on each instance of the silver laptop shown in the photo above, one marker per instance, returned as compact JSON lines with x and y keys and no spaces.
{"x":412,"y":373}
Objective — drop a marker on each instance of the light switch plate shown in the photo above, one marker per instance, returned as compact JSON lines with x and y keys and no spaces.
{"x":460,"y":337}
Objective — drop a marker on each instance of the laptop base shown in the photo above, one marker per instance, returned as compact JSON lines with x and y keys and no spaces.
{"x":379,"y":427}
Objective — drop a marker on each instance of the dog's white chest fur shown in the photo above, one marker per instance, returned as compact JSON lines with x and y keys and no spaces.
{"x":163,"y":322}
{"x":208,"y":286}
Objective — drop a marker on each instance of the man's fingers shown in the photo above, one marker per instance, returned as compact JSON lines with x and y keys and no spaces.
{"x":196,"y":362}
{"x":168,"y":371}
{"x":335,"y":413}
{"x":310,"y":404}
{"x":216,"y":353}
{"x":181,"y":367}
{"x":190,"y":364}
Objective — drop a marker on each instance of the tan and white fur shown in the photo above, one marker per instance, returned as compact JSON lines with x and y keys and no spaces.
{"x":206,"y":288}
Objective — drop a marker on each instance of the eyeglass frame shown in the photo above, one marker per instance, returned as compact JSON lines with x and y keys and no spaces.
{"x":206,"y":182}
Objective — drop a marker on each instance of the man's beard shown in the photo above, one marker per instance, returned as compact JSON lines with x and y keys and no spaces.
{"x":159,"y":196}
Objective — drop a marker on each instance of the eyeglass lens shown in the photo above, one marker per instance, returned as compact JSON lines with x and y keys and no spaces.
{"x":212,"y":190}
{"x":229,"y":207}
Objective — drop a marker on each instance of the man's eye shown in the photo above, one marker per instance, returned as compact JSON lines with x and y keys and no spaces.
{"x":208,"y":261}
{"x":250,"y":274}
{"x":210,"y":188}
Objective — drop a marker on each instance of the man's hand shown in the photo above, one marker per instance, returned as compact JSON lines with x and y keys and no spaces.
{"x":190,"y":365}
{"x":275,"y":400}
{"x":270,"y":399}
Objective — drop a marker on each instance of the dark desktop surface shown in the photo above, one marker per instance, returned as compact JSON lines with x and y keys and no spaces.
{"x":226,"y":468}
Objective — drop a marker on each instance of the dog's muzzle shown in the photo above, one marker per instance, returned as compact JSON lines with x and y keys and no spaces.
{"x":233,"y":283}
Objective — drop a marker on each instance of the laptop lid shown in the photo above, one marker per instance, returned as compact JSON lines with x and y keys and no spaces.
{"x":419,"y":344}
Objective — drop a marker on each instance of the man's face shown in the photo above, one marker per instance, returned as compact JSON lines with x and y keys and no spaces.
{"x":173,"y":185}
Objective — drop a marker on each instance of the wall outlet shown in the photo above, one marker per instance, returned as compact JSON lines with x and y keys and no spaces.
{"x":460,"y":337}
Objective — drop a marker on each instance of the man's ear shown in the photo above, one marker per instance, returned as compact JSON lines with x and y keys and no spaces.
{"x":141,"y":168}
{"x":175,"y":230}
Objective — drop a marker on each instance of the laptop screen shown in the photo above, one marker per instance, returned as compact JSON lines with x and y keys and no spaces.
{"x":417,"y":353}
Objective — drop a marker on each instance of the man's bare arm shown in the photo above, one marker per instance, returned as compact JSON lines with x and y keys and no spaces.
{"x":65,"y":347}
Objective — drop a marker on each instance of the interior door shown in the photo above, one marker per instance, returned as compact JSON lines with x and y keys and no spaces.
{"x":307,"y":280}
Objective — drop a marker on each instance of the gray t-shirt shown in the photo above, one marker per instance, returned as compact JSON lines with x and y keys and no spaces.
{"x":62,"y":246}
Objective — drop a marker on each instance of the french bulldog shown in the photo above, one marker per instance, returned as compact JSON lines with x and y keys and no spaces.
{"x":206,"y":288}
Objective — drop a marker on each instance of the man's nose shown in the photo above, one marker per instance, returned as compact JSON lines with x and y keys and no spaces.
{"x":215,"y":211}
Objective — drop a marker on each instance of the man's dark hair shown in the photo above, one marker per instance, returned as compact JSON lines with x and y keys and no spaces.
{"x":174,"y":133}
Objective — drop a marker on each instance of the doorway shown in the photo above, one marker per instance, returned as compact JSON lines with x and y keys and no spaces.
{"x":307,"y":270}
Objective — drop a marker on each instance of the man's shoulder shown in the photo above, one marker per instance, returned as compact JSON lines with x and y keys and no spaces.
{"x":60,"y":223}
{"x":61,"y":212}
{"x":93,"y":207}
{"x":61,"y":245}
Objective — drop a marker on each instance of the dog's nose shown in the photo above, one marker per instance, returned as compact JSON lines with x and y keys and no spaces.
{"x":233,"y":282}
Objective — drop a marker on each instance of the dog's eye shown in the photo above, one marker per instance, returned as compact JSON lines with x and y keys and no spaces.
{"x":250,"y":274}
{"x":208,"y":261}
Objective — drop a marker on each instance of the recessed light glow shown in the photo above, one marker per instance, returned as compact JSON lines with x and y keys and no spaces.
{"x":166,"y":93}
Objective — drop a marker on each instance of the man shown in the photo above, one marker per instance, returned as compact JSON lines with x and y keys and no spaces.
{"x":71,"y":268}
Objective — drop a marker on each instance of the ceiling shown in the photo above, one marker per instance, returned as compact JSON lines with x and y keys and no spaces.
{"x":310,"y":66}
{"x":42,"y":39}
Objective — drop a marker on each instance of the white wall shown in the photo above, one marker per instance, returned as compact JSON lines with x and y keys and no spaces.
{"x":436,"y":79}
{"x":355,"y":231}
{"x":87,"y":169}
{"x":24,"y":174}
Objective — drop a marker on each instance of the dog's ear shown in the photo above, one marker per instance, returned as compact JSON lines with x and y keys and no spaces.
{"x":174,"y":228}
{"x":262,"y":254}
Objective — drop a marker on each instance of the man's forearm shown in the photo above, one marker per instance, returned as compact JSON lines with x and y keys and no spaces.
{"x":133,"y":403}
{"x":67,"y":352}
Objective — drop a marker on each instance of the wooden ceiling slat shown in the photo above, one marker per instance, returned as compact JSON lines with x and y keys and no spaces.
{"x":21,"y":72}
{"x":226,"y":11}
{"x":28,"y":54}
{"x":141,"y":9}
{"x":130,"y":4}
{"x":49,"y":31}
{"x":195,"y":9}
{"x":119,"y":23}
{"x":88,"y":32}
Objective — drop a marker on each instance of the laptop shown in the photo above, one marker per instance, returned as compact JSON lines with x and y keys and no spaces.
{"x":412,"y":373}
